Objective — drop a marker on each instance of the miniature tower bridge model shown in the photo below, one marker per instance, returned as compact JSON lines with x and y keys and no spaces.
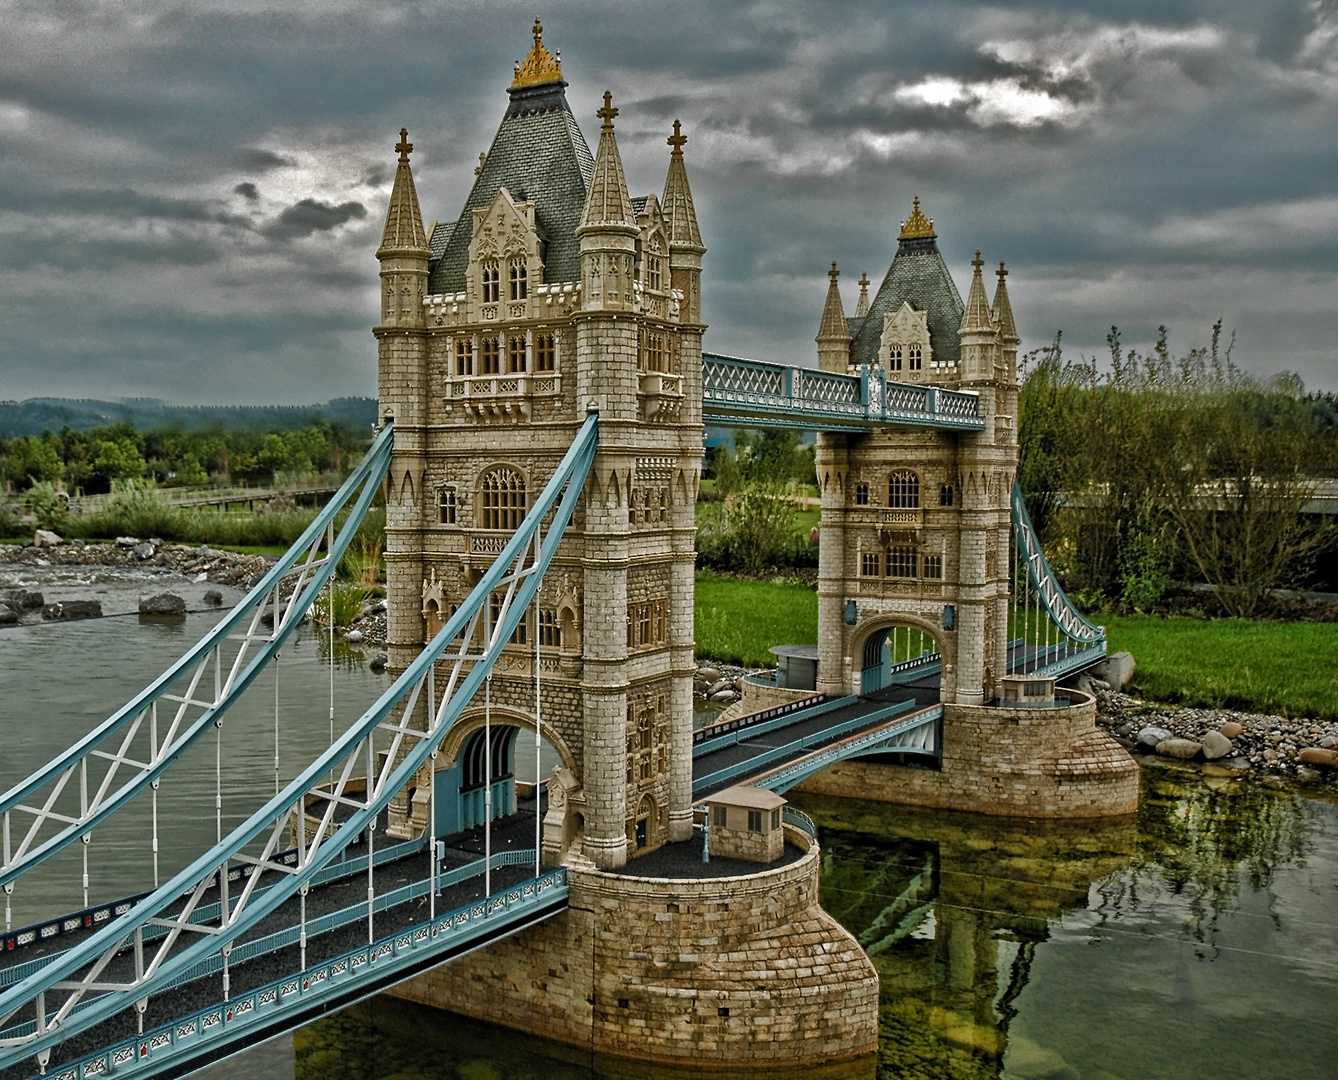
{"x":502,"y":833}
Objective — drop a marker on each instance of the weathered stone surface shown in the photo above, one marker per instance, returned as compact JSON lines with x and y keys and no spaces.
{"x":1179,"y":748}
{"x":213,"y":598}
{"x":1148,"y":737}
{"x":144,"y":551}
{"x":379,"y":662}
{"x":354,"y":637}
{"x":163,"y":606}
{"x":1216,"y":745}
{"x":718,"y":685}
{"x":1117,"y":669}
{"x":1314,"y":755}
{"x":24,"y":600}
{"x":723,"y":697}
{"x":1329,"y":742}
{"x":68,"y":610}
{"x":127,"y":541}
{"x":1231,"y":730}
{"x":8,"y":616}
{"x":46,"y":538}
{"x":710,"y":674}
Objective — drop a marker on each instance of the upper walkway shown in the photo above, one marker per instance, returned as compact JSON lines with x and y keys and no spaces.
{"x":753,"y":393}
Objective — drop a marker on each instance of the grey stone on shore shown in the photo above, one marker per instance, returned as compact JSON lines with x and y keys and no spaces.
{"x":46,"y":538}
{"x":354,"y":637}
{"x":24,"y":600}
{"x":709,"y":674}
{"x":127,"y":541}
{"x":1179,"y":748}
{"x":1216,"y":745}
{"x":1116,"y":670}
{"x":1148,"y":737}
{"x":144,"y":551}
{"x":69,"y":610}
{"x":723,"y":697}
{"x":213,"y":598}
{"x":163,"y":606}
{"x":8,"y":616}
{"x":1329,"y":742}
{"x":379,"y":662}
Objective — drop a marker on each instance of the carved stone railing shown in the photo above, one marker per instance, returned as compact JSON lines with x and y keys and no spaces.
{"x":742,"y":392}
{"x":508,"y":398}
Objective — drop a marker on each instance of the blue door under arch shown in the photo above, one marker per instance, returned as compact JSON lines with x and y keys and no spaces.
{"x":462,"y":790}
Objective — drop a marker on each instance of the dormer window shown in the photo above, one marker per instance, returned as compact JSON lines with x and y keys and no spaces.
{"x":519,"y":279}
{"x":492,"y":281}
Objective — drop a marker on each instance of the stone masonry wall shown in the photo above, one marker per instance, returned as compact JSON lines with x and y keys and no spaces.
{"x":730,"y":969}
{"x":1025,"y":762}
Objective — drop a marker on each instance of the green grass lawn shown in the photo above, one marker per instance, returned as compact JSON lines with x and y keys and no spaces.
{"x":737,"y":621}
{"x":1285,"y":668}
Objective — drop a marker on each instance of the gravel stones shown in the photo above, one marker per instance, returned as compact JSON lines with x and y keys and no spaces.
{"x":1231,"y":730}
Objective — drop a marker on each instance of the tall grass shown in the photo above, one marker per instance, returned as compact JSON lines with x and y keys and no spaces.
{"x":1283,"y":668}
{"x":737,"y":621}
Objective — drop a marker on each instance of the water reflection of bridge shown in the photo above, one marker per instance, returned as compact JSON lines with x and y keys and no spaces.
{"x":952,"y":907}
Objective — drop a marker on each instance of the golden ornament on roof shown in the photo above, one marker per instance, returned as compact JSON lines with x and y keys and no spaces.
{"x":540,"y":66}
{"x":917,"y":225}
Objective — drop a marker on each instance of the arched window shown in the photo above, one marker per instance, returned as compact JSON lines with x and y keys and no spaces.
{"x":492,"y":281}
{"x":654,"y":266}
{"x":520,"y":287}
{"x":915,"y":359}
{"x":894,"y":358}
{"x":501,"y":499}
{"x":945,"y":495}
{"x":545,"y":352}
{"x":903,"y":490}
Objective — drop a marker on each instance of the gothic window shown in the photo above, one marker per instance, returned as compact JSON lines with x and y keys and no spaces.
{"x":945,"y":495}
{"x":519,"y":279}
{"x":933,"y":567}
{"x":519,"y":634}
{"x":656,"y":352}
{"x":464,"y":356}
{"x":550,"y":629}
{"x":654,"y":266}
{"x":490,"y":356}
{"x":894,"y":358}
{"x":515,"y":353}
{"x":647,"y":624}
{"x":868,"y":566}
{"x":545,"y":352}
{"x":903,"y":490}
{"x":501,"y":499}
{"x":861,"y":494}
{"x":492,"y":281}
{"x":446,"y":506}
{"x":901,"y":561}
{"x":913,"y":358}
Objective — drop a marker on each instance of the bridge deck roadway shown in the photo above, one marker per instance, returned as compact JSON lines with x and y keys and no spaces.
{"x":515,"y":832}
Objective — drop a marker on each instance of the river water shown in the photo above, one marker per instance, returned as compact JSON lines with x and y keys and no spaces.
{"x":1198,"y":940}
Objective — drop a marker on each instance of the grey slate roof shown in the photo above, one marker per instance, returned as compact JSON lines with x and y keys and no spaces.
{"x":639,"y":204}
{"x":918,"y":274}
{"x":441,"y":234}
{"x":539,"y":155}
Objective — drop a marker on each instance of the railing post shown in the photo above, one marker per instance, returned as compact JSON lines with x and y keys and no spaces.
{"x":790,"y":373}
{"x":864,"y":388}
{"x":931,"y":399}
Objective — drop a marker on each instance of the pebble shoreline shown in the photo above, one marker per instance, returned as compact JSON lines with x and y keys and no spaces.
{"x":222,"y":567}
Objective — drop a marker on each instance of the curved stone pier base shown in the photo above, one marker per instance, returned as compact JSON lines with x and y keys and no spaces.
{"x":718,"y":972}
{"x":1022,"y":762}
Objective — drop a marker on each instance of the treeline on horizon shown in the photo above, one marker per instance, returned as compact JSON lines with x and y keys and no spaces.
{"x":36,"y":415}
{"x":101,"y":459}
{"x":1161,"y":472}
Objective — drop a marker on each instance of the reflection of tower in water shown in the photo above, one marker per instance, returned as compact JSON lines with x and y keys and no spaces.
{"x":952,"y":908}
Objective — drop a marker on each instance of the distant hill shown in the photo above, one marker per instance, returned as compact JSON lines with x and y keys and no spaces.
{"x":36,"y":415}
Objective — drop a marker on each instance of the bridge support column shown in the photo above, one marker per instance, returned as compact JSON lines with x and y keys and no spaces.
{"x":834,"y":664}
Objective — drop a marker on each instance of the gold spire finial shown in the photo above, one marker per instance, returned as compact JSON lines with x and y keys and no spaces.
{"x":607,"y":113}
{"x":833,"y":273}
{"x":404,"y":147}
{"x":540,"y":66}
{"x":917,"y":225}
{"x":677,"y":139}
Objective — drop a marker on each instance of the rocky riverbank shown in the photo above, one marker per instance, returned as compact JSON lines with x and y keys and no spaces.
{"x":219,"y":567}
{"x":1304,"y":749}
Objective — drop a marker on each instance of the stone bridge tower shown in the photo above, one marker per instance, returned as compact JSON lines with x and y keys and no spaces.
{"x":554,"y":294}
{"x":916,"y":524}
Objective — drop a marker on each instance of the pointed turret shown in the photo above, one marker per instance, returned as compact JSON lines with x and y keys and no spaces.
{"x":862,"y":307}
{"x":977,"y":315}
{"x":404,"y":252}
{"x":608,"y":207}
{"x":608,"y":228}
{"x":1008,"y":335}
{"x":979,"y":332}
{"x":685,"y":238}
{"x":833,"y":333}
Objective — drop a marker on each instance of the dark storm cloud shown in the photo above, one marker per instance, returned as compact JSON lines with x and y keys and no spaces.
{"x":203,"y":183}
{"x":309,"y":216}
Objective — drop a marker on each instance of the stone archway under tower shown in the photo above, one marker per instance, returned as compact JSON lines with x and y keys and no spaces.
{"x":899,"y":653}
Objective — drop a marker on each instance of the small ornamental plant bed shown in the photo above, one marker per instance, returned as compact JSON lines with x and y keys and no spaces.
{"x":739,"y":619}
{"x":1288,"y":669}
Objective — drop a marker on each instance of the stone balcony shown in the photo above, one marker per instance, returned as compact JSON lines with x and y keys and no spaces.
{"x":660,"y":396}
{"x":500,"y":399}
{"x":462,"y":309}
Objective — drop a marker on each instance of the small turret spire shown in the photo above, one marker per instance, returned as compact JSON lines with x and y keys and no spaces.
{"x":679,"y":212}
{"x":404,"y":220}
{"x":1002,"y":310}
{"x":608,"y":207}
{"x":540,"y":66}
{"x":862,"y":306}
{"x":977,"y":314}
{"x":833,"y":333}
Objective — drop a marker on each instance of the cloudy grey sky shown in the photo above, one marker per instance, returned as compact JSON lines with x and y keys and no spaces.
{"x":191,"y":193}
